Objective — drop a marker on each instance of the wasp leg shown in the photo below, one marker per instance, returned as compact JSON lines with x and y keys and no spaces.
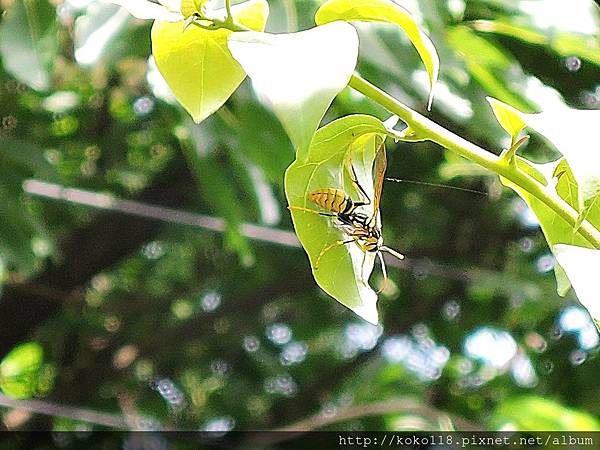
{"x":391,"y":251}
{"x":354,"y":179}
{"x":329,"y":247}
{"x":314,"y":211}
{"x":362,"y":267}
{"x":384,"y":271}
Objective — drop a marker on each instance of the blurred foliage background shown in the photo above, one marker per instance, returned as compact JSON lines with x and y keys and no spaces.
{"x":159,"y":324}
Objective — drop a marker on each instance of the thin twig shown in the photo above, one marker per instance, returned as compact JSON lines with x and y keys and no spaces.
{"x":249,"y":230}
{"x":404,"y":405}
{"x":108,"y":202}
{"x":54,"y":410}
{"x":399,"y":405}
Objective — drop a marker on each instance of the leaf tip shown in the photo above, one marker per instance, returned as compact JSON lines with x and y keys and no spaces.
{"x":368,"y":312}
{"x":430,"y":100}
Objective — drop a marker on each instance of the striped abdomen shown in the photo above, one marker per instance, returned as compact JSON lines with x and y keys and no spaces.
{"x":334,"y":200}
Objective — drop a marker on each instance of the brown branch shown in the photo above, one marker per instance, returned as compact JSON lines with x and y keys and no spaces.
{"x":54,"y":410}
{"x":135,"y":208}
{"x":406,"y":405}
{"x":249,"y":230}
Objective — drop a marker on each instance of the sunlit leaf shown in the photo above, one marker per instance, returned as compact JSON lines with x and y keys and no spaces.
{"x":575,"y":134}
{"x":19,"y":370}
{"x":28,"y":42}
{"x":501,"y":27}
{"x":581,"y":267}
{"x":144,"y":9}
{"x":196,"y":63}
{"x":298,"y":74}
{"x":190,"y":7}
{"x":509,"y":118}
{"x":97,"y":30}
{"x":557,"y":176}
{"x":564,"y":43}
{"x":343,"y":272}
{"x":389,"y":12}
{"x":531,"y":413}
{"x":490,"y":65}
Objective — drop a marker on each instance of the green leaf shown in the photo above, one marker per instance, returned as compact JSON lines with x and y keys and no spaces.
{"x":563,"y":43}
{"x":28,"y":42}
{"x":102,"y":19}
{"x":581,"y":267}
{"x":562,"y":280}
{"x":18,"y":226}
{"x":574,"y":133}
{"x":213,"y":173}
{"x":388,"y":12}
{"x":19,"y":370}
{"x":531,"y":413}
{"x":196,"y":63}
{"x":167,"y":10}
{"x":556,"y":230}
{"x":190,"y":7}
{"x":343,"y":271}
{"x":263,"y":139}
{"x":509,"y":118}
{"x":298,"y":74}
{"x":501,"y":27}
{"x":490,"y":65}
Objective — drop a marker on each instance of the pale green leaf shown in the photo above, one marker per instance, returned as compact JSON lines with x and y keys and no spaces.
{"x":389,"y":12}
{"x":509,"y":118}
{"x":556,"y":176}
{"x":494,"y":69}
{"x":96,"y":31}
{"x":555,"y":229}
{"x":581,"y":267}
{"x":563,"y":43}
{"x":562,"y":280}
{"x":144,"y":9}
{"x":29,"y":43}
{"x":343,"y":271}
{"x":298,"y":74}
{"x":532,"y":413}
{"x":196,"y":63}
{"x":508,"y":29}
{"x":172,"y":5}
{"x":575,"y":134}
{"x":190,"y":7}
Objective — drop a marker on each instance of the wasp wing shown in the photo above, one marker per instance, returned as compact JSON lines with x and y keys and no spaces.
{"x":379,"y":167}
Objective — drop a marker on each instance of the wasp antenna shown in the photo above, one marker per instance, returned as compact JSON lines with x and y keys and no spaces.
{"x":391,"y":251}
{"x":436,"y":185}
{"x":384,"y":271}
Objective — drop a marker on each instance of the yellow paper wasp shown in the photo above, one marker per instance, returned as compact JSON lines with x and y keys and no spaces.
{"x":359,"y":228}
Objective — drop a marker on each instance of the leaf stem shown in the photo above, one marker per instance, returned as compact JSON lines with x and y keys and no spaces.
{"x":229,"y":18}
{"x":427,"y":129}
{"x":215,"y":23}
